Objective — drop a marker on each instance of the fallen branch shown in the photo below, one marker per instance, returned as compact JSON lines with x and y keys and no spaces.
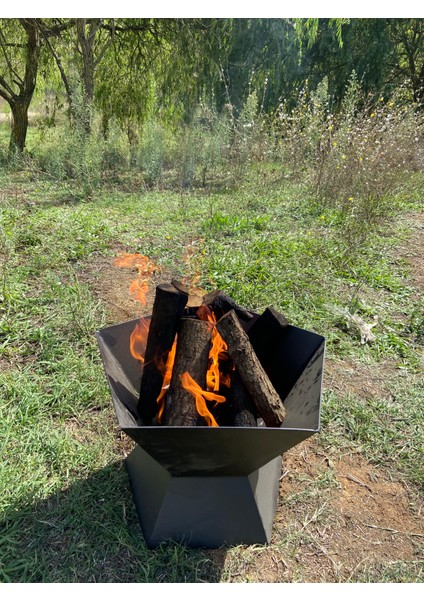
{"x":394,"y":530}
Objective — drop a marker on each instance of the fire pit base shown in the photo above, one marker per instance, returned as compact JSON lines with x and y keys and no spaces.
{"x":203,"y":511}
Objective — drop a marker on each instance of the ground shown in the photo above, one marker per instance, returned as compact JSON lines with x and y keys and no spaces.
{"x":362,"y":517}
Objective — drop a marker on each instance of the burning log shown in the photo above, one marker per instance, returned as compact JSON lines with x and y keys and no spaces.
{"x":168,"y":307}
{"x":181,"y":287}
{"x":257,"y":382}
{"x":192,"y":355}
{"x":243,"y":409}
{"x":220,"y":304}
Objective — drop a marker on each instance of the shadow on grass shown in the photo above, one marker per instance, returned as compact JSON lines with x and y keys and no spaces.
{"x":90,"y":533}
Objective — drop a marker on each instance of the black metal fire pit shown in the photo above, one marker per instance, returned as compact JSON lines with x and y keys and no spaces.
{"x":214,"y":486}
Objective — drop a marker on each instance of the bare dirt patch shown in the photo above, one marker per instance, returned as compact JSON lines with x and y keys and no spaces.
{"x":111,"y":285}
{"x":360,"y":519}
{"x":363,"y":517}
{"x":414,"y":251}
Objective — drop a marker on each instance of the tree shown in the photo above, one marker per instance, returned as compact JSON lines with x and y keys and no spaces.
{"x":20,"y":47}
{"x":77,"y":53}
{"x":364,"y":47}
{"x":260,"y":55}
{"x":408,"y":37}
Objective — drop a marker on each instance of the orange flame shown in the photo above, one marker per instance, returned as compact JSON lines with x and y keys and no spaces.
{"x":138,"y":339}
{"x":135,"y":261}
{"x":218,"y":347}
{"x":145,"y":268}
{"x":166,"y":379}
{"x":138,"y":291}
{"x":200,"y":397}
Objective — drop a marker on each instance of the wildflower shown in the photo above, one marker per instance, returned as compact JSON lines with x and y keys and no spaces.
{"x":334,"y":143}
{"x":343,"y":156}
{"x":350,"y":199}
{"x":322,"y":217}
{"x":372,"y":115}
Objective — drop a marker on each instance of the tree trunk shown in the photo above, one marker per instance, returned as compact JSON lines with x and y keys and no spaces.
{"x":133,"y":140}
{"x":19,"y":89}
{"x":86,"y":47}
{"x":19,"y":127}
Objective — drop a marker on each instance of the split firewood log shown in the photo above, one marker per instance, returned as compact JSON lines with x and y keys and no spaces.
{"x":168,"y":307}
{"x":192,"y":355}
{"x":257,"y":382}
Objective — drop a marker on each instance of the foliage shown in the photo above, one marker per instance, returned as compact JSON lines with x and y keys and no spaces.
{"x":357,"y":159}
{"x":167,"y":67}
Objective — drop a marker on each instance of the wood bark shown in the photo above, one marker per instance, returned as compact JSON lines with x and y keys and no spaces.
{"x":241,"y":403}
{"x":182,"y":287}
{"x":168,"y":307}
{"x":193,"y":345}
{"x":19,"y":126}
{"x":257,"y":382}
{"x":220,"y":304}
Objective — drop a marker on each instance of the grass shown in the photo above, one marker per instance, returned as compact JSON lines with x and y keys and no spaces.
{"x":387,"y":431}
{"x":67,"y":513}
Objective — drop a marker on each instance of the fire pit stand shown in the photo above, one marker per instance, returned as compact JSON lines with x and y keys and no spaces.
{"x":214,"y":486}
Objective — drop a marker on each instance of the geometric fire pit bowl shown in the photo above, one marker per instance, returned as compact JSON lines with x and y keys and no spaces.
{"x":210,"y":487}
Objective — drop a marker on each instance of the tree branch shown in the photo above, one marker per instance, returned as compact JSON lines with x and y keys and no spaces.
{"x":19,"y":83}
{"x":57,"y":60}
{"x":5,"y":91}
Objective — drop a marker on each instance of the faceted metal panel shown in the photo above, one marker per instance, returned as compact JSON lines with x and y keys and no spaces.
{"x":214,"y":486}
{"x":215,"y":451}
{"x":203,"y":512}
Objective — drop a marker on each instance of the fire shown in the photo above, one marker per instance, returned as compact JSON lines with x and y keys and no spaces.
{"x":200,"y":397}
{"x":135,"y":261}
{"x":145,"y":267}
{"x":138,"y":339}
{"x":166,"y":379}
{"x":214,"y":378}
{"x":138,"y":291}
{"x":138,"y":342}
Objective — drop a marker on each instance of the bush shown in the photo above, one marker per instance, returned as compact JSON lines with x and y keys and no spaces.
{"x":369,"y":157}
{"x":359,"y":159}
{"x":153,"y":152}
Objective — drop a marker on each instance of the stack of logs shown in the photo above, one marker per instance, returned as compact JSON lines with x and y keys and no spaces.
{"x":250,"y":398}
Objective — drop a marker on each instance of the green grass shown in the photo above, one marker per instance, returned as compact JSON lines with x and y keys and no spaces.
{"x":67,"y":513}
{"x":387,"y":431}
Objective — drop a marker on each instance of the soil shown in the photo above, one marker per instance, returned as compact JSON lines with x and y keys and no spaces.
{"x":362,"y":519}
{"x":414,"y":251}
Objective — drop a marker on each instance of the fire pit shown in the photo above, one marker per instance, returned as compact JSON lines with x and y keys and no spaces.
{"x":214,"y":486}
